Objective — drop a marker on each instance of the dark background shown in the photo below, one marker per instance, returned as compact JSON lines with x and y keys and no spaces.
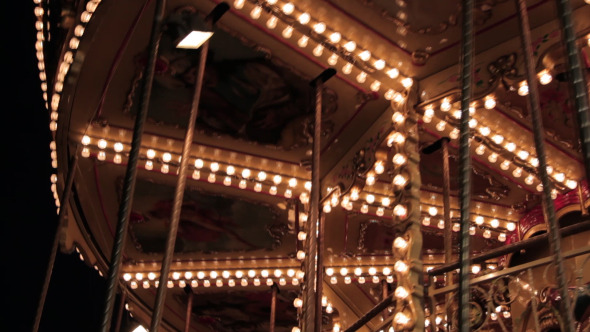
{"x":75,"y":298}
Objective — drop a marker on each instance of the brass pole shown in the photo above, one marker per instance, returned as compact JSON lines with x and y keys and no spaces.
{"x":539,"y":137}
{"x":273,"y":307}
{"x":122,"y":300}
{"x":189,"y":308}
{"x":131,"y":171}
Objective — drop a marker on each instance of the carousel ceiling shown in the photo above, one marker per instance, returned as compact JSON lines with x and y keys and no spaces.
{"x":250,"y":162}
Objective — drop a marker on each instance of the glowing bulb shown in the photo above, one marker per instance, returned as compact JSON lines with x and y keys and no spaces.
{"x":277,"y":179}
{"x":441,"y":126}
{"x":333,"y":59}
{"x":255,"y":13}
{"x":302,"y":42}
{"x":375,"y":86}
{"x":401,"y":267}
{"x":445,"y":105}
{"x":545,"y":77}
{"x":489,"y":103}
{"x":379,"y":64}
{"x":319,"y":27}
{"x":407,"y":82}
{"x":364,"y":208}
{"x":510,"y":146}
{"x":401,"y":292}
{"x":400,"y":210}
{"x":498,"y":139}
{"x":288,"y":8}
{"x":361,"y":77}
{"x":480,"y":149}
{"x":487,"y":234}
{"x":454,"y":134}
{"x":318,"y":50}
{"x":350,"y":46}
{"x":479,"y":220}
{"x":335,"y":37}
{"x":288,"y":32}
{"x":529,"y":179}
{"x":118,"y":147}
{"x":304,"y":18}
{"x":475,"y":269}
{"x":571,"y":184}
{"x":258,"y":187}
{"x":398,"y":118}
{"x":523,"y":154}
{"x":399,"y":159}
{"x":485,"y":131}
{"x":102,"y":144}
{"x":347,"y":68}
{"x":517,"y":172}
{"x":365,"y":55}
{"x":393,"y":73}
{"x":426,"y":221}
{"x":493,"y":157}
{"x":433,"y":211}
{"x":495,"y":223}
{"x":239,"y":4}
{"x":523,"y":89}
{"x":510,"y":226}
{"x":505,"y":165}
{"x":272,"y":22}
{"x":560,"y":177}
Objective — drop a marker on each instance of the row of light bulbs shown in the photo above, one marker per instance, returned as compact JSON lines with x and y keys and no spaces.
{"x":522,"y":155}
{"x":456,"y":227}
{"x":333,"y":39}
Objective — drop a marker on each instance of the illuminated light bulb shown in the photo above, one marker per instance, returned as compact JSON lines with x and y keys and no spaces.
{"x":445,"y":105}
{"x":505,"y":165}
{"x":304,"y":198}
{"x":301,"y":236}
{"x":347,"y":69}
{"x":370,"y":199}
{"x":304,"y":18}
{"x":472,"y":123}
{"x":302,"y":42}
{"x":258,"y":187}
{"x":485,"y":131}
{"x":272,"y":22}
{"x":456,"y":227}
{"x":239,"y":4}
{"x":379,"y":64}
{"x":256,"y":282}
{"x":227,"y":181}
{"x":523,"y":88}
{"x":385,"y":201}
{"x":545,"y":77}
{"x":392,"y":73}
{"x":118,"y":147}
{"x":396,"y":137}
{"x":399,"y":159}
{"x":212,"y":178}
{"x":510,"y":146}
{"x":318,"y":50}
{"x":230,"y":170}
{"x":327,"y":208}
{"x":401,"y":318}
{"x":199,"y":163}
{"x":361,"y":77}
{"x":495,"y":223}
{"x":479,"y":220}
{"x":553,"y":194}
{"x":292,"y":182}
{"x":370,"y":179}
{"x":364,"y":208}
{"x":372,"y":271}
{"x":401,"y":292}
{"x":242,"y":184}
{"x":264,"y":273}
{"x":438,"y":320}
{"x":510,"y":226}
{"x":407,"y":82}
{"x":549,"y":169}
{"x":498,"y":139}
{"x":529,"y":179}
{"x":225,"y":274}
{"x":398,"y":118}
{"x":457,"y":114}
{"x":335,"y":37}
{"x":471,"y":230}
{"x":319,"y":27}
{"x":278,"y":273}
{"x":334,"y":200}
{"x":117,"y":159}
{"x":539,"y":187}
{"x":102,"y":144}
{"x":429,"y":112}
{"x":343,"y":271}
{"x":534,"y":162}
{"x":336,"y":327}
{"x":350,"y":46}
{"x":251,"y":273}
{"x":133,"y":285}
{"x":375,"y":86}
{"x":288,"y":8}
{"x":255,"y":13}
{"x":489,"y":103}
{"x":523,"y":154}
{"x":433,"y":211}
{"x":441,"y":126}
{"x":127,"y":276}
{"x":303,"y":217}
{"x":85,"y":140}
{"x":288,"y":193}
{"x":454,"y":134}
{"x":333,"y":59}
{"x":277,"y":179}
{"x":333,"y":280}
{"x":271,"y":2}
{"x":560,"y":177}
{"x":571,"y":184}
{"x":517,"y":172}
{"x":502,"y":237}
{"x":426,"y":221}
{"x":441,"y":224}
{"x":214,"y":167}
{"x":354,"y":193}
{"x":288,"y":32}
{"x":365,"y":55}
{"x":149,"y":165}
{"x":487,"y":234}
{"x":480,"y":149}
{"x":400,"y":211}
{"x":493,"y":157}
{"x":101,"y":156}
{"x":475,"y":268}
{"x":300,"y":255}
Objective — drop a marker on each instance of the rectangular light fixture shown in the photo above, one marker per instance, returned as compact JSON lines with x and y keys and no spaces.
{"x":194,"y":39}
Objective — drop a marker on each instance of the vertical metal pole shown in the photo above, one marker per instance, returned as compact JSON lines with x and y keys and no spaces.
{"x":582,"y":199}
{"x":467,"y":50}
{"x":131,"y":172}
{"x":319,"y":274}
{"x":122,"y":300}
{"x":448,"y":238}
{"x":539,"y":137}
{"x":310,"y":266}
{"x":576,"y":76}
{"x":384,"y":294}
{"x":533,"y":300}
{"x":65,"y":197}
{"x":179,"y":193}
{"x":273,"y":307}
{"x":189,"y":309}
{"x":297,"y":227}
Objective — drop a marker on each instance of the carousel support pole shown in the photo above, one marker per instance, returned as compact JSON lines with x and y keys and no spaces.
{"x":582,"y":200}
{"x":384,"y":294}
{"x":211,"y":19}
{"x":273,"y":307}
{"x":189,"y":307}
{"x":539,"y":137}
{"x":576,"y":76}
{"x":65,"y":197}
{"x":467,"y":50}
{"x":122,"y":300}
{"x":313,"y":285}
{"x":131,"y":171}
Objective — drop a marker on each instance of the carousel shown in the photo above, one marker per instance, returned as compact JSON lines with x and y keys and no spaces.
{"x":323,"y":165}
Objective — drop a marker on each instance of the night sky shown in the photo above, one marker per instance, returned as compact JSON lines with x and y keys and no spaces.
{"x":75,"y":298}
